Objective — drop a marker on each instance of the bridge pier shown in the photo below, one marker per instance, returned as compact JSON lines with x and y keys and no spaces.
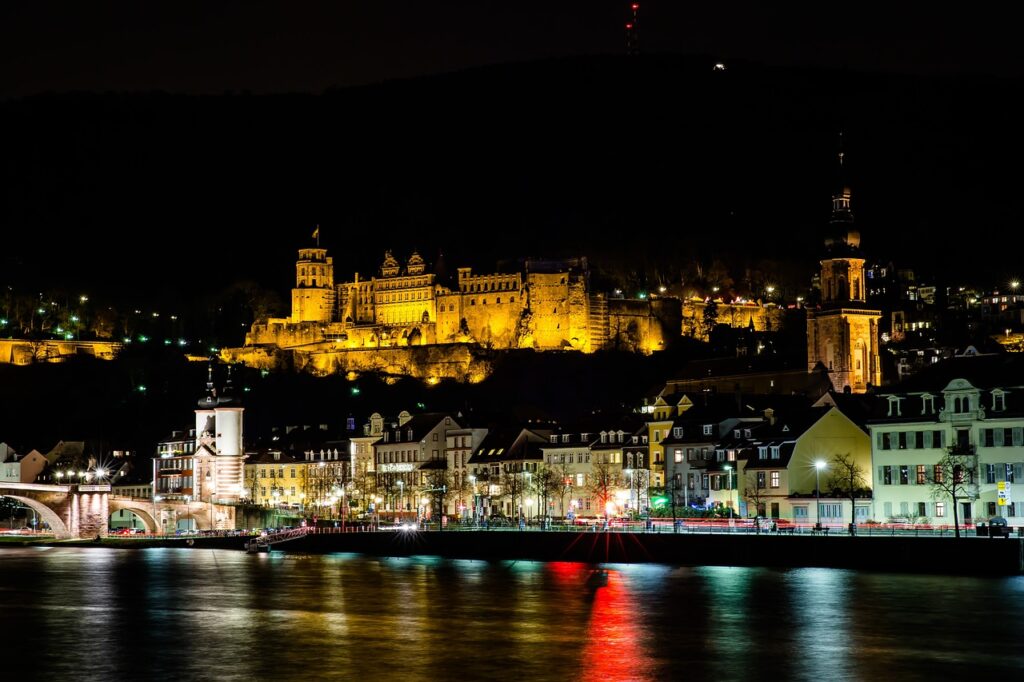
{"x":71,"y":511}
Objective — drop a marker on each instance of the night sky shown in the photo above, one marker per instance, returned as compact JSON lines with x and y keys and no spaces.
{"x":486,"y":130}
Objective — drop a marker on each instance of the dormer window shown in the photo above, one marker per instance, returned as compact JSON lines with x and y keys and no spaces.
{"x":707,"y":429}
{"x":604,"y":436}
{"x":736,"y":434}
{"x":775,"y":452}
{"x":565,"y":437}
{"x":554,"y":439}
{"x":762,"y":452}
{"x":677,"y":432}
{"x":746,"y":433}
{"x":894,"y":406}
{"x":998,"y":400}
{"x":927,"y":404}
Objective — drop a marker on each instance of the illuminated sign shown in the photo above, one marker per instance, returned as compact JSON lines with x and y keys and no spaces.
{"x":396,"y":468}
{"x":94,"y":488}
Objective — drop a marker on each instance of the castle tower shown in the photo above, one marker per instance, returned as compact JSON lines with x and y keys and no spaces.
{"x":843,"y":333}
{"x":313,"y":295}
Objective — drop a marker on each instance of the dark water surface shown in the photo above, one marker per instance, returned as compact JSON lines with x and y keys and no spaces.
{"x":172,"y":614}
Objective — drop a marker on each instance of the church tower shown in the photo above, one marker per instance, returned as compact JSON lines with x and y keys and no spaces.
{"x":313,"y":295}
{"x":842,"y":333}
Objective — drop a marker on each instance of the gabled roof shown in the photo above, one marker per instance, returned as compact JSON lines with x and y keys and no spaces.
{"x":420,"y":425}
{"x":510,"y":445}
{"x":270,"y":457}
{"x":857,"y":407}
{"x":64,"y":450}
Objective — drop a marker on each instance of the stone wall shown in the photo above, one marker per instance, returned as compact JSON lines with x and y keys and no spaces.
{"x":738,"y":315}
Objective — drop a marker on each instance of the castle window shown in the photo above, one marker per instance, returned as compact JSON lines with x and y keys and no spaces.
{"x":485,"y":301}
{"x":998,"y":401}
{"x":894,"y":406}
{"x":472,"y":301}
{"x":499,"y":299}
{"x":927,"y":404}
{"x":512,"y":300}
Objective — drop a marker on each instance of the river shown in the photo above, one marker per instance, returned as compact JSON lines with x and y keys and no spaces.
{"x":173,"y":614}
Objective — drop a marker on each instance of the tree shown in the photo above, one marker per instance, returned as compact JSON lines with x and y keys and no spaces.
{"x":546,"y":483}
{"x":563,"y":485}
{"x":513,"y":485}
{"x":460,"y":488}
{"x":955,"y":477}
{"x":754,"y":493}
{"x":848,"y":479}
{"x":438,"y":485}
{"x":602,"y":484}
{"x":252,"y":483}
{"x":710,"y":318}
{"x":364,"y":483}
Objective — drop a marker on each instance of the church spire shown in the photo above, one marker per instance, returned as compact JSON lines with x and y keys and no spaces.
{"x":227,"y":396}
{"x":842,"y":234}
{"x":841,"y":199}
{"x":210,"y":399}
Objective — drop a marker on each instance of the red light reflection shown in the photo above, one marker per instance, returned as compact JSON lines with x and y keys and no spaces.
{"x":614,"y":649}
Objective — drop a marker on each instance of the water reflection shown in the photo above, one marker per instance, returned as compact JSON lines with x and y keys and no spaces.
{"x":166,"y":614}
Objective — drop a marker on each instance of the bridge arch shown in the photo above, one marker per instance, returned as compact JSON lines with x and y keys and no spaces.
{"x":47,"y":514}
{"x":136,"y":507}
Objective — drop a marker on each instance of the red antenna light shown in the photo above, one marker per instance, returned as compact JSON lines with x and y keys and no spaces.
{"x":633,"y":29}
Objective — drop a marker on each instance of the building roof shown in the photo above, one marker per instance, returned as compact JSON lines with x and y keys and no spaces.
{"x":419,"y":426}
{"x":985,"y":371}
{"x":66,"y":450}
{"x":507,"y":445}
{"x":270,"y":457}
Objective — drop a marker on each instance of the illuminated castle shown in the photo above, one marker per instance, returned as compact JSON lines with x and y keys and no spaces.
{"x":361,"y":325}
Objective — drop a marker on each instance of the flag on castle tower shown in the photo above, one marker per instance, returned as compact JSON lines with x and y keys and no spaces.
{"x":316,"y":232}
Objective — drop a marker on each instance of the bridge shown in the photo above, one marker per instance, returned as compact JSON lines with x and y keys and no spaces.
{"x":83,"y":511}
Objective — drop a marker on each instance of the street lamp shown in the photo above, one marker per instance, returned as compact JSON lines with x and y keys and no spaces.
{"x":188,"y":511}
{"x":401,"y":494}
{"x":156,"y":517}
{"x":818,"y":466}
{"x":629,"y":479}
{"x":728,"y":467}
{"x":472,"y":482}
